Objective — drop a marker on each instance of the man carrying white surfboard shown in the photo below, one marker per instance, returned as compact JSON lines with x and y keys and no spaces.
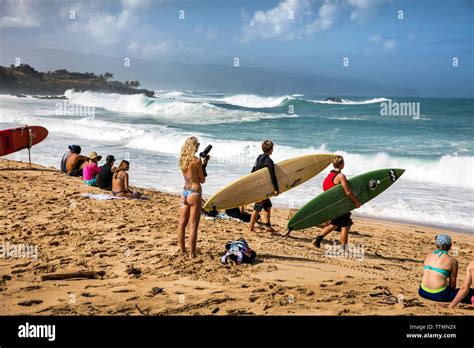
{"x":262,"y":161}
{"x":343,"y":222}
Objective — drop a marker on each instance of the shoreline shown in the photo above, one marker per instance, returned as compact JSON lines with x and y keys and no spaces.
{"x":134,"y":243}
{"x":282,"y":207}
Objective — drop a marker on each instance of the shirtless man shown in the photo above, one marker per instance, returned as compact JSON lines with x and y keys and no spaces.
{"x":192,"y":169}
{"x":75,"y":162}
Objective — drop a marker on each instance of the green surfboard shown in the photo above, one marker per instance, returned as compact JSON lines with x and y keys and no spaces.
{"x":334,"y":202}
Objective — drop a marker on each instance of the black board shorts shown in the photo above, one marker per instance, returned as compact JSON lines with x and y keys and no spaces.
{"x":342,"y":221}
{"x":265,"y":205}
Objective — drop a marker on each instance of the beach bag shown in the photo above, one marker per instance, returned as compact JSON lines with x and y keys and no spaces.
{"x":238,"y":251}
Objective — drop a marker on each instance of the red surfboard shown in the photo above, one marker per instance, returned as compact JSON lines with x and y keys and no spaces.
{"x":16,"y":139}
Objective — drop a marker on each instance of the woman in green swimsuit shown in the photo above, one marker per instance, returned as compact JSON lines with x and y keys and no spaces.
{"x":440,"y":271}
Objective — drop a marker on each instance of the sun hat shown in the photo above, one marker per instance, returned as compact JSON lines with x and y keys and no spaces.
{"x":94,"y":155}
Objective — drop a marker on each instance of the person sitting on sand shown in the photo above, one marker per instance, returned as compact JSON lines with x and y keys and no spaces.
{"x":440,"y":271}
{"x":120,"y":187}
{"x":75,"y":162}
{"x":91,"y":169}
{"x":72,"y":149}
{"x":263,"y":161}
{"x":104,"y":180}
{"x":343,"y":222}
{"x":190,"y":203}
{"x":465,"y":293}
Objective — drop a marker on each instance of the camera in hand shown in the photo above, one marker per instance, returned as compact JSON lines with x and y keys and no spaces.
{"x":204,"y":155}
{"x":206,"y":151}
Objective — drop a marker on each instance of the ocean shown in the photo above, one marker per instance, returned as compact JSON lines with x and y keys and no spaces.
{"x":431,"y":138}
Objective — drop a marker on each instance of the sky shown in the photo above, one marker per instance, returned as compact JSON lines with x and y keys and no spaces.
{"x":426,"y":45}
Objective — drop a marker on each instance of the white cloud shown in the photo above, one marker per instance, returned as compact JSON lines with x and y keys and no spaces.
{"x":326,"y":17}
{"x":390,"y":44}
{"x":103,"y":26}
{"x":276,"y":22}
{"x":387,"y":43}
{"x":19,"y":14}
{"x":136,"y":4}
{"x":376,"y":38}
{"x":363,"y":10}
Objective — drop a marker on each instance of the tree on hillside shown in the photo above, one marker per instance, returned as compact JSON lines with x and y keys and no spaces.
{"x":134,"y":83}
{"x":108,"y":75}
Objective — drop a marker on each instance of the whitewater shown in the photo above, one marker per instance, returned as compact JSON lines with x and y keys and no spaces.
{"x":436,"y":151}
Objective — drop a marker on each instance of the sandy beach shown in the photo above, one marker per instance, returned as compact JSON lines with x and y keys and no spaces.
{"x":131,"y":247}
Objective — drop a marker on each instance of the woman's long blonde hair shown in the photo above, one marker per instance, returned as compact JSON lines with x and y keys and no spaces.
{"x":188,"y":150}
{"x":122,"y":166}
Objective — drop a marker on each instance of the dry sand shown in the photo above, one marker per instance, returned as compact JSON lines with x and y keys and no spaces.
{"x":290,"y":277}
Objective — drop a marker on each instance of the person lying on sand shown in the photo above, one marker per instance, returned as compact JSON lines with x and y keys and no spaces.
{"x":343,"y":222}
{"x":465,"y":293}
{"x":91,"y":170}
{"x":75,"y":162}
{"x":263,"y":161}
{"x":440,"y":271}
{"x":120,"y":187}
{"x":190,"y":203}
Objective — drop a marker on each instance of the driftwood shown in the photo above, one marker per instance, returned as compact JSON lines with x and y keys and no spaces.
{"x":80,"y":274}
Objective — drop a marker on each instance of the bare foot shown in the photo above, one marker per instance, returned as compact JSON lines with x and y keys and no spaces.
{"x":250,"y":230}
{"x":192,"y":255}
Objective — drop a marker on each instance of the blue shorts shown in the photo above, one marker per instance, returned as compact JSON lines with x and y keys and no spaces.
{"x":91,"y":182}
{"x":446,"y":295}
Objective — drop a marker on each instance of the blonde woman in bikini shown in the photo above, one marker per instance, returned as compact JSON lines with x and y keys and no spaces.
{"x":190,"y":204}
{"x":120,"y":186}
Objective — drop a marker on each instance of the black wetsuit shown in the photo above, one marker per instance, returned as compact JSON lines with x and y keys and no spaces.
{"x":262,"y":161}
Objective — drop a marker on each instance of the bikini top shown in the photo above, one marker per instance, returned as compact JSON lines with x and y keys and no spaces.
{"x":439,"y":270}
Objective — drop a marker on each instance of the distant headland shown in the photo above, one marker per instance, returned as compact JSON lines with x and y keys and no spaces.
{"x":24,"y":79}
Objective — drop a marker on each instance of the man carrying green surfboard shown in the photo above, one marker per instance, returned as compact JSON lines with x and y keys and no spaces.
{"x":343,"y":222}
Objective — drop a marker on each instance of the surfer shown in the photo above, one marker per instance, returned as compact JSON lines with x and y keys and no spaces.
{"x":262,"y":161}
{"x":120,"y":187}
{"x":190,"y":203}
{"x":343,"y":222}
{"x":91,"y":169}
{"x":440,"y":271}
